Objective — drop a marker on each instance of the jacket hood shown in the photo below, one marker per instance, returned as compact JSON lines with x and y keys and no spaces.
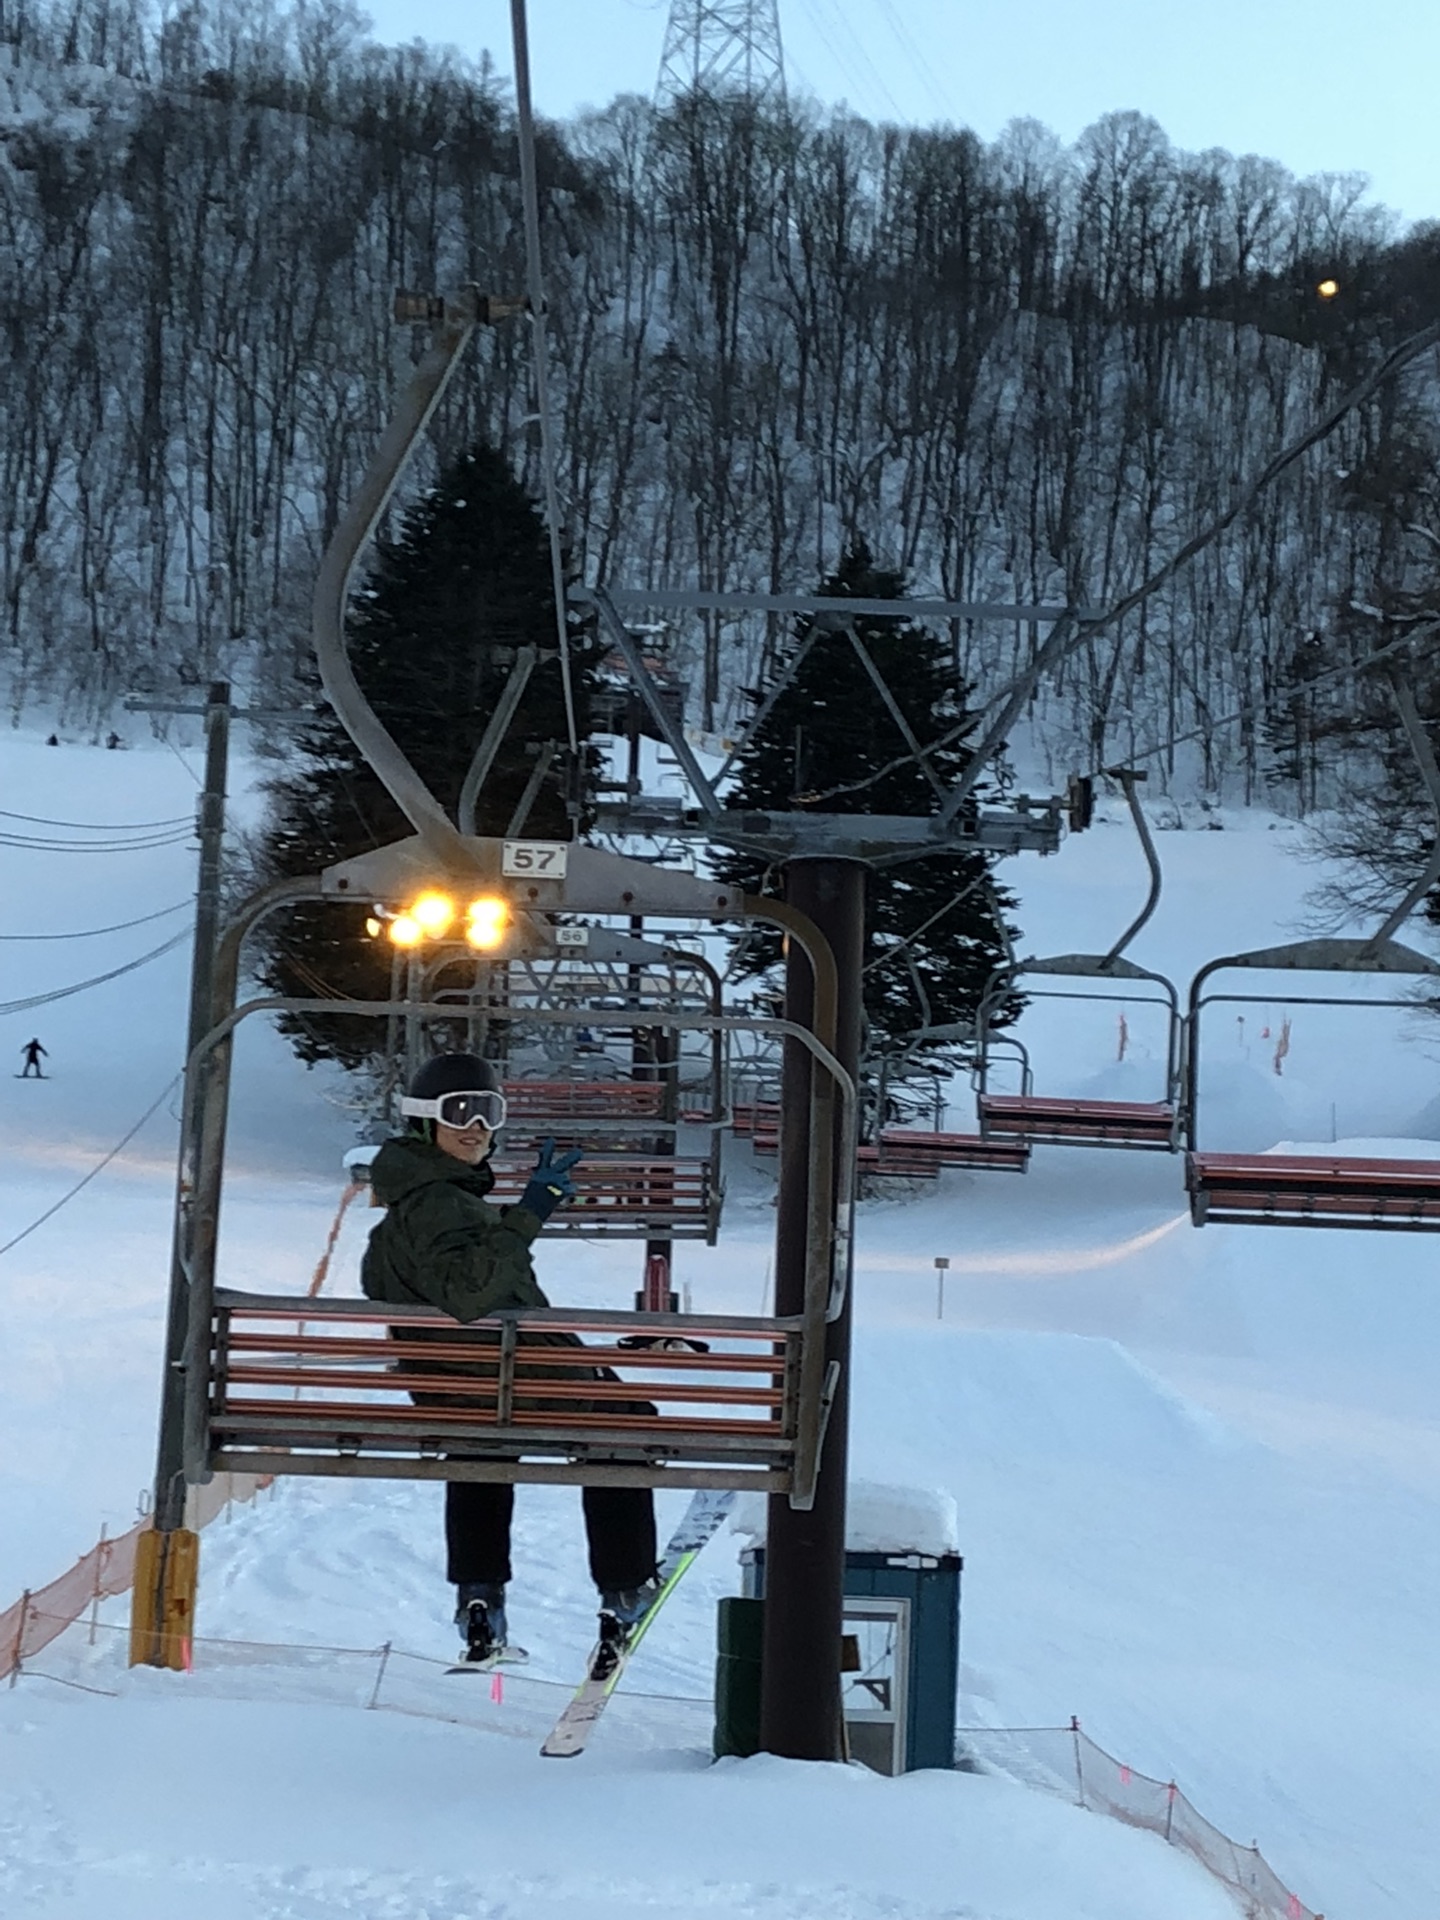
{"x":409,"y":1162}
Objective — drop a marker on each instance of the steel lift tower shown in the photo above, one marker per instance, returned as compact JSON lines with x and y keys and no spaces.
{"x":722,"y":46}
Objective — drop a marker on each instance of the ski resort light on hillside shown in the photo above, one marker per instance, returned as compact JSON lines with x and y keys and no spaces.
{"x":486,"y":921}
{"x":1328,"y":289}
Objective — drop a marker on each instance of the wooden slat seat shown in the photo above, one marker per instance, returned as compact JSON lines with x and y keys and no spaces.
{"x":756,"y":1116}
{"x":960,"y":1149}
{"x":901,"y":1154}
{"x":630,"y":1196}
{"x":884,"y":1163}
{"x":1315,"y":1190}
{"x":1048,"y":1121}
{"x":576,"y":1099}
{"x":324,"y":1387}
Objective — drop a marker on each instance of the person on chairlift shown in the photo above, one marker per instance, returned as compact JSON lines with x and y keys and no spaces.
{"x":442,"y":1242}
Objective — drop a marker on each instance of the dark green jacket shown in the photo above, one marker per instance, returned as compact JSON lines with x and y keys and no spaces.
{"x":441,"y":1243}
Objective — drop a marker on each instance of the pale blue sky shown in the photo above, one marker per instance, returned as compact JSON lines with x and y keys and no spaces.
{"x":1321,"y":85}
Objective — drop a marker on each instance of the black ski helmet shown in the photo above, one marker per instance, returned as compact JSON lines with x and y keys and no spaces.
{"x":451,"y":1073}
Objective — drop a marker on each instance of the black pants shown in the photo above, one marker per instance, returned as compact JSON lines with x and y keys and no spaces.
{"x":619,"y":1525}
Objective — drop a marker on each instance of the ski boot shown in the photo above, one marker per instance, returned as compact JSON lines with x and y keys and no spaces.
{"x":480,"y":1616}
{"x":621,"y":1611}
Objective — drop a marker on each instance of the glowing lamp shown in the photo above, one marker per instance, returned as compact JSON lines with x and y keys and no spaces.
{"x":406,"y":930}
{"x":433,"y":913}
{"x":1328,"y":289}
{"x":486,"y":922}
{"x":374,"y":927}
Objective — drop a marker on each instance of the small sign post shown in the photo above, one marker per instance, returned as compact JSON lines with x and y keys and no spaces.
{"x":942,"y":1265}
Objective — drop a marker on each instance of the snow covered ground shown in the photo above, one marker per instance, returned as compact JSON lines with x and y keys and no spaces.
{"x":1197,"y":1476}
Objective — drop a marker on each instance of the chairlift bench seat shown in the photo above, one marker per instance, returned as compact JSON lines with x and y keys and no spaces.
{"x":1045,"y":1121}
{"x":630,"y":1196}
{"x":959,"y":1149}
{"x":1313,"y":1190}
{"x":885,"y":1163}
{"x":580,"y":1099}
{"x":323,"y":1387}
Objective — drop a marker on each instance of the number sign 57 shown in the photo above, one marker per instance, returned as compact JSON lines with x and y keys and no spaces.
{"x":534,"y":859}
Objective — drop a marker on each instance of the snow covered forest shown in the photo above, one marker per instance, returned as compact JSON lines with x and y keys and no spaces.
{"x":1023,"y":372}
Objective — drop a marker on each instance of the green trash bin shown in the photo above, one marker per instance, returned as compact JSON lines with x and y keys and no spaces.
{"x":739,"y":1630}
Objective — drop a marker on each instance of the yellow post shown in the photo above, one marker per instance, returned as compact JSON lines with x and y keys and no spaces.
{"x":162,"y":1611}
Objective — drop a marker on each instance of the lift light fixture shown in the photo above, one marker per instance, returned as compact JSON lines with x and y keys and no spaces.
{"x":434,"y":913}
{"x":486,"y":920}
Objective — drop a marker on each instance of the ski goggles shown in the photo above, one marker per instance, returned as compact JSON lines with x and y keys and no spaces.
{"x":483,"y":1108}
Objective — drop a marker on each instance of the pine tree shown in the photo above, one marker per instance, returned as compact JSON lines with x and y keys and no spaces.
{"x":932,"y":936}
{"x":432,"y":635}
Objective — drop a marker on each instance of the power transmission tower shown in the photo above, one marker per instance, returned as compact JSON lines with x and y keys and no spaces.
{"x":722,"y":46}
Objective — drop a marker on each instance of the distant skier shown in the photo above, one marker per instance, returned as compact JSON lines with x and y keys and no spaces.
{"x":441,"y":1242}
{"x":33,"y":1052}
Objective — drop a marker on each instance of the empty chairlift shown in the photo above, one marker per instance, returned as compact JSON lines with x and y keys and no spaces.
{"x":1308,"y":1190}
{"x":1325,"y":1189}
{"x":1031,"y":1119}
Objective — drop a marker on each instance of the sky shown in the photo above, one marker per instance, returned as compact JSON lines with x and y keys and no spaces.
{"x":1320,"y":85}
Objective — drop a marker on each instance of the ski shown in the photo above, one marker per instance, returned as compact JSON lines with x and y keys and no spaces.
{"x":506,"y":1657}
{"x":608,"y":1659}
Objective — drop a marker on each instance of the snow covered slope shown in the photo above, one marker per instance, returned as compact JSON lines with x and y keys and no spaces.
{"x":1197,"y":1478}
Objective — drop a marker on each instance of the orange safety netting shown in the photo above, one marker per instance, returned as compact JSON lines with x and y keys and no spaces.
{"x":1067,"y":1760}
{"x":43,"y":1613}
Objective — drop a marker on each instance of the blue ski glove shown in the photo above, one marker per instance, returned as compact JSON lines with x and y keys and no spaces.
{"x":550,"y":1183}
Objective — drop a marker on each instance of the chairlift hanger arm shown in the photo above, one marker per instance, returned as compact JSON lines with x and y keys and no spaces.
{"x":455,"y":320}
{"x":1129,"y":779}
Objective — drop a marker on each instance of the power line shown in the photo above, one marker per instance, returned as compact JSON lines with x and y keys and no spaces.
{"x":912,"y":53}
{"x":98,"y":826}
{"x":34,"y":843}
{"x":92,"y":933}
{"x":99,"y":1167}
{"x":83,"y":986}
{"x":839,"y":24}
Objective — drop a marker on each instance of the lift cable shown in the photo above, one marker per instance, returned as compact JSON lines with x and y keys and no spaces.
{"x":99,"y":1167}
{"x":1070,"y":632}
{"x":535,"y":287}
{"x":1348,"y":670}
{"x":83,"y":986}
{"x":91,"y":933}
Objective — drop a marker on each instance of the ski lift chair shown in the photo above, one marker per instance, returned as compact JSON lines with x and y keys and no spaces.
{"x":1322,"y":1190}
{"x":1308,"y":1190}
{"x":633,"y":1183}
{"x":1028,"y":1119}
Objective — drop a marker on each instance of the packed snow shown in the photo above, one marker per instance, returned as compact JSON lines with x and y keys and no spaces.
{"x":1195,"y":1475}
